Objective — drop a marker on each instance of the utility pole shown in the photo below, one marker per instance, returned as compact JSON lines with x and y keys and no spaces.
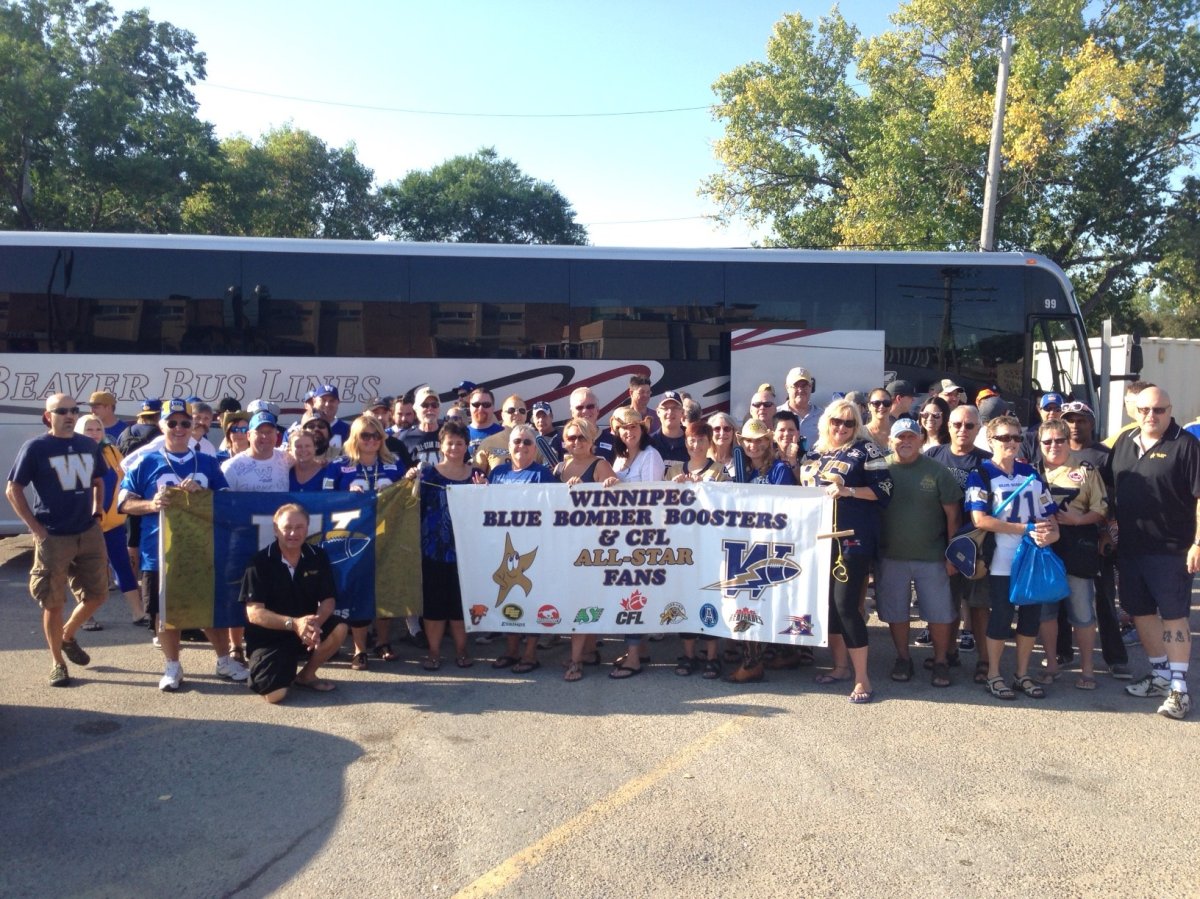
{"x":987,"y":233}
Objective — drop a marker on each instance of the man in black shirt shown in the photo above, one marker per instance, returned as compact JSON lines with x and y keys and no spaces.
{"x":289,"y":595}
{"x":1155,"y":473}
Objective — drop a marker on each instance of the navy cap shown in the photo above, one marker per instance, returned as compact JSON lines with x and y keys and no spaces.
{"x":153,"y":404}
{"x":173,"y":407}
{"x":324,"y":390}
{"x":1050,"y":399}
{"x":541,"y":406}
{"x":671,"y":396}
{"x":468,"y":386}
{"x":902,"y":388}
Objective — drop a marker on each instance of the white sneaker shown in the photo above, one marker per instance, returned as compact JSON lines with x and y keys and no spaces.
{"x":1149,"y":686}
{"x":171,"y":678}
{"x":1177,"y":705}
{"x":231,"y":669}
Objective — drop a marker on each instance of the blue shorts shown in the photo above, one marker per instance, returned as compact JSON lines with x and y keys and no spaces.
{"x":1155,"y":585}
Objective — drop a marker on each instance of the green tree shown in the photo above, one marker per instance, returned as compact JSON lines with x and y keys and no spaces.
{"x":98,"y":125}
{"x":479,"y":198}
{"x":289,"y":183}
{"x":836,"y":140}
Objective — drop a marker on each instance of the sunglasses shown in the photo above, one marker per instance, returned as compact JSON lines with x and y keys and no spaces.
{"x":522,"y":441}
{"x":842,"y":423}
{"x":1007,"y":438}
{"x":572,"y":438}
{"x":239,"y":429}
{"x":881,"y":404}
{"x":801,"y":385}
{"x":586,"y":408}
{"x":1157,"y":410}
{"x":763,"y":404}
{"x":930,"y":415}
{"x":481,"y":405}
{"x":314,"y":425}
{"x":73,"y":410}
{"x":1053,"y":407}
{"x":1074,"y":407}
{"x":964,"y":425}
{"x":1054,"y":441}
{"x":431,"y":404}
{"x":180,"y":423}
{"x":370,"y":435}
{"x":515,"y":410}
{"x":721,"y":429}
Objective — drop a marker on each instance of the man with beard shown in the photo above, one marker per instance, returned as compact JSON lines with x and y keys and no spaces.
{"x":421,"y":440}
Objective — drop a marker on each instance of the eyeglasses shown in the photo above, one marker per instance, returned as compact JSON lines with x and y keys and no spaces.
{"x":522,"y":441}
{"x":1157,"y":410}
{"x":515,"y":410}
{"x":481,"y":405}
{"x":431,"y":404}
{"x":720,"y":429}
{"x":930,"y":415}
{"x":313,"y":425}
{"x":585,"y":408}
{"x":842,"y":422}
{"x":179,"y":423}
{"x":73,"y":410}
{"x":239,"y":429}
{"x":1054,"y":441}
{"x":762,"y":404}
{"x":572,"y":438}
{"x":1007,"y":438}
{"x":370,"y":435}
{"x":881,"y":404}
{"x":964,"y":425}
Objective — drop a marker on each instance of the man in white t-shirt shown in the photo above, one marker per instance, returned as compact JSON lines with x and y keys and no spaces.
{"x":262,"y":468}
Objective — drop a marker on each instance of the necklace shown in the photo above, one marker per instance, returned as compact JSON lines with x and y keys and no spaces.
{"x":184,"y":458}
{"x":369,"y":476}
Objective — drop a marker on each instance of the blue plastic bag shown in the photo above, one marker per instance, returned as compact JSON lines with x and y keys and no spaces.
{"x":1037,"y":575}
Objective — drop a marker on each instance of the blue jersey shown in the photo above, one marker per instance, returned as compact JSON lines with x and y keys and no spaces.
{"x":62,"y":472}
{"x":859,"y":464}
{"x":988,"y":487}
{"x":534,"y":474}
{"x":159,"y":469}
{"x":343,"y":474}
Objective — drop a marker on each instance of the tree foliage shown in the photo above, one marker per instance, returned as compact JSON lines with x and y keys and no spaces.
{"x":98,"y":125}
{"x":288,"y":183}
{"x":479,"y":198}
{"x":836,"y":140}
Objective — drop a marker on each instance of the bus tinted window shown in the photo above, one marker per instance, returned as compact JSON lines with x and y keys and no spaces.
{"x":470,"y":279}
{"x":803,"y":296}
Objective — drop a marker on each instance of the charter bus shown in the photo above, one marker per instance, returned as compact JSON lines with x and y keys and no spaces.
{"x":161,"y":316}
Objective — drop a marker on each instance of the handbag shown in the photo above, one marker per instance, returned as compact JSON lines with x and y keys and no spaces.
{"x":970,"y":550}
{"x":1078,"y":545}
{"x":1038,"y":575}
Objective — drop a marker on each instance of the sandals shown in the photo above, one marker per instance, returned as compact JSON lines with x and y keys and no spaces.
{"x":526,"y":667}
{"x":384,"y":651}
{"x":712,"y":669}
{"x":1029,"y":687}
{"x":981,"y":669}
{"x":1085,"y":682}
{"x":686,"y":666}
{"x":505,"y":662}
{"x":430,"y":663}
{"x":358,"y":661}
{"x":624,"y":672}
{"x":941,"y":675}
{"x":829,"y":678}
{"x":902,"y":670}
{"x":464,"y":661}
{"x":574,"y":672}
{"x":861,"y":697}
{"x":998,"y":688}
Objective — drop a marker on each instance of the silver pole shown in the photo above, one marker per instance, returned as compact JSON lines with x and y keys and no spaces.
{"x":987,"y":233}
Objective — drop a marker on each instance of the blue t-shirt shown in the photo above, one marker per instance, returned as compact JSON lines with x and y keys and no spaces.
{"x":960,"y":466}
{"x":534,"y":474}
{"x":115,"y":430}
{"x":476,"y":436}
{"x":162,"y":469}
{"x":672,"y":449}
{"x":314,"y":484}
{"x":62,"y":472}
{"x":779,"y":475}
{"x":343,"y":474}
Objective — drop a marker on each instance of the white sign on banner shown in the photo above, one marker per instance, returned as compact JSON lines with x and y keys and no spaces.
{"x":718,"y":559}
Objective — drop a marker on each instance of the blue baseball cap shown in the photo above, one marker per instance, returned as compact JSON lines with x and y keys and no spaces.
{"x":263,"y":418}
{"x":905,"y":426}
{"x":173,"y":407}
{"x":541,"y":406}
{"x":1050,"y":399}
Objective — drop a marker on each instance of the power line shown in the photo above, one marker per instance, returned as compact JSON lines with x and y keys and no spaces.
{"x":682,"y":218}
{"x":463,"y":115}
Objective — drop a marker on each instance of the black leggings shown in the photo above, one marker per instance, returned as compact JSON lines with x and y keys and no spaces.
{"x":845,"y":616}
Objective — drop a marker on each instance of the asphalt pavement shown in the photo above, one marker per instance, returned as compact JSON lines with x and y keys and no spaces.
{"x":474,"y":782}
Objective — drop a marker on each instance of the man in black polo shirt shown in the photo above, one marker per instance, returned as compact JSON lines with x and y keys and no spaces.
{"x":1155,"y":473}
{"x":289,"y":595}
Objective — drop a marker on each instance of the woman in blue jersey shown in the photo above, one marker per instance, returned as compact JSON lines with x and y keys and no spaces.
{"x":854,"y":472}
{"x":988,"y":486}
{"x":439,"y":555}
{"x":759,"y":464}
{"x":306,"y":473}
{"x":521,"y":467}
{"x":367,"y":466}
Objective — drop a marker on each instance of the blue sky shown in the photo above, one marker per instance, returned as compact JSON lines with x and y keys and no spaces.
{"x":632,"y":179}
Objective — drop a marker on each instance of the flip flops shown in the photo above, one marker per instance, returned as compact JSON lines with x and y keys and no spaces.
{"x":526,"y":667}
{"x":624,"y":672}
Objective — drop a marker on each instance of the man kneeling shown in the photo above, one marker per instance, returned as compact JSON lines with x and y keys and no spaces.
{"x":289,"y":595}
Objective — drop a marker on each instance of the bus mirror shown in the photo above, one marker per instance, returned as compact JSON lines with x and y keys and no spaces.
{"x":1135,"y":356}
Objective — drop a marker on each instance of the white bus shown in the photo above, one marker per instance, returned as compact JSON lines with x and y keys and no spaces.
{"x":160,"y":316}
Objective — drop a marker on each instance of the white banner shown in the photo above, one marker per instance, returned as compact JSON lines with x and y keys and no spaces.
{"x":723,"y":560}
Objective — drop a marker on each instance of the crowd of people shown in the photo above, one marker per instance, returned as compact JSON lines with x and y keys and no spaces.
{"x":906,"y":474}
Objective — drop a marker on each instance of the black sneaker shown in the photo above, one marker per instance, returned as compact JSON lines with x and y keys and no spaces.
{"x":73,"y":651}
{"x":59,"y":676}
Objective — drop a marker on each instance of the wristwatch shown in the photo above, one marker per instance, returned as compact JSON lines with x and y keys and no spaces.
{"x":287,"y":624}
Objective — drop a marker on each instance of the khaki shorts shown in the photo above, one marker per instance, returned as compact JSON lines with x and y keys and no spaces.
{"x":78,"y":560}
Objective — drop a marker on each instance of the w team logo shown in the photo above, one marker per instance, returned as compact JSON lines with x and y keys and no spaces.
{"x":755,"y":567}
